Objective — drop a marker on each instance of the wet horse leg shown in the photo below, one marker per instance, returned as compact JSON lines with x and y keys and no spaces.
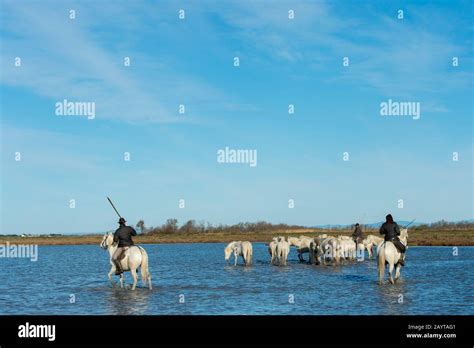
{"x":390,"y":272}
{"x":397,"y":271}
{"x":135,"y":278}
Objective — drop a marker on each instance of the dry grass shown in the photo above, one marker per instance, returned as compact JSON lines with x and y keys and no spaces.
{"x":427,"y":237}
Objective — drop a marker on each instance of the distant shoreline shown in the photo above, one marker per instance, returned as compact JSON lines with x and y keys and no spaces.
{"x":416,"y":237}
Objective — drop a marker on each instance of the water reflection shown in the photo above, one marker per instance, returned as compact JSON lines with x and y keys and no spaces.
{"x":392,"y":299}
{"x":124,"y":301}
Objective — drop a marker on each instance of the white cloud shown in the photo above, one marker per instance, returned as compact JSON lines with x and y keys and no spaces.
{"x":63,"y":58}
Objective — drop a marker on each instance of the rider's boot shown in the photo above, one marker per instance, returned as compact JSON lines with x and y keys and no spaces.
{"x":118,"y":268}
{"x":402,"y":260}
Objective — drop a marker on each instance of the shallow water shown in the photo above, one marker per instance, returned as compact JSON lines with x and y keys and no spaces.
{"x":433,"y":282}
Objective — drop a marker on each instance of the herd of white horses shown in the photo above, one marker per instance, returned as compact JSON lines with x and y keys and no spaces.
{"x":325,"y":249}
{"x":322,"y":249}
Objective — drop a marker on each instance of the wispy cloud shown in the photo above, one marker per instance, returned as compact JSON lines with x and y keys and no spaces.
{"x":396,"y":57}
{"x":63,"y":58}
{"x":82,"y":59}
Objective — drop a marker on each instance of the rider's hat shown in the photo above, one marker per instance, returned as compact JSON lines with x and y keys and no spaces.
{"x":122,"y":220}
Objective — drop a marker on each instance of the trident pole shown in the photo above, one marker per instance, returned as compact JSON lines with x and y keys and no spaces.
{"x":113,"y":206}
{"x":409,"y":223}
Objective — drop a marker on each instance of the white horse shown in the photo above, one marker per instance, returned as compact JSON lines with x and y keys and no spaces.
{"x":330,"y":248}
{"x":133,"y":258}
{"x":304,"y":246}
{"x":388,"y":254}
{"x":272,"y":250}
{"x":282,"y":251}
{"x":315,"y":250}
{"x":293,"y":241}
{"x":348,"y":247}
{"x":239,"y":248}
{"x":369,"y":242}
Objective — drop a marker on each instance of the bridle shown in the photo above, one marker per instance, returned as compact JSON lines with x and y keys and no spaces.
{"x":104,"y":244}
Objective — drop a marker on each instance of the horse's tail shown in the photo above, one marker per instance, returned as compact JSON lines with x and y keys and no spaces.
{"x":381,"y":262}
{"x":145,"y":273}
{"x":248,"y":256}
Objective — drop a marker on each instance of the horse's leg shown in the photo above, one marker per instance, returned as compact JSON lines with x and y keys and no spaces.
{"x":390,"y":272}
{"x":112,"y":271}
{"x":121,"y":280}
{"x":133,"y":272}
{"x":381,"y":273}
{"x":149,"y":278}
{"x":381,"y":265}
{"x":397,"y":271}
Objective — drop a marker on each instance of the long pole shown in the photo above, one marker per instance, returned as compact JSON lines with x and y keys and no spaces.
{"x":409,"y":223}
{"x":113,"y":206}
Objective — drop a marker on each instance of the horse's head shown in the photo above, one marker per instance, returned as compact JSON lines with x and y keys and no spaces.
{"x":107,"y":240}
{"x":404,"y":235}
{"x":228,"y":250}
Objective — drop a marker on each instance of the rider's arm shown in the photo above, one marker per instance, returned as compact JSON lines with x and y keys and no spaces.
{"x":116,"y":239}
{"x":382,"y":230}
{"x":397,"y":230}
{"x":134,"y":233}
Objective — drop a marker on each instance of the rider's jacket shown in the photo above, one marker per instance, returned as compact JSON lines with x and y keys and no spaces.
{"x":123,"y":235}
{"x":390,"y":231}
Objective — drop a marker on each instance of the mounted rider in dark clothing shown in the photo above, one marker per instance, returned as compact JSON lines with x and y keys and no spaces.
{"x":122,"y":236}
{"x":357,"y":235}
{"x":391,"y":231}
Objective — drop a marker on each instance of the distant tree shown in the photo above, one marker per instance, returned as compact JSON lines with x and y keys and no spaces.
{"x":141,"y":226}
{"x":189,"y":227}
{"x":170,"y":226}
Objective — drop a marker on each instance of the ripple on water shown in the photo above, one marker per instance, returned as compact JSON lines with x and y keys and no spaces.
{"x":208,"y":286}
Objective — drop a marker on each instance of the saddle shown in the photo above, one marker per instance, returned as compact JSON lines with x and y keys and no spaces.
{"x":399,"y":245}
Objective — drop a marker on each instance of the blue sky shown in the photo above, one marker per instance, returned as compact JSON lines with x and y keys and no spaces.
{"x":190,"y":62}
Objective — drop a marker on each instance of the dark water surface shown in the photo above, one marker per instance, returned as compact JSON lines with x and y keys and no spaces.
{"x":433,"y":282}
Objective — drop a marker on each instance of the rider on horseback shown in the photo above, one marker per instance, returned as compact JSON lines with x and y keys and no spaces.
{"x":357,"y":235}
{"x":122,"y":236}
{"x":391,"y":231}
